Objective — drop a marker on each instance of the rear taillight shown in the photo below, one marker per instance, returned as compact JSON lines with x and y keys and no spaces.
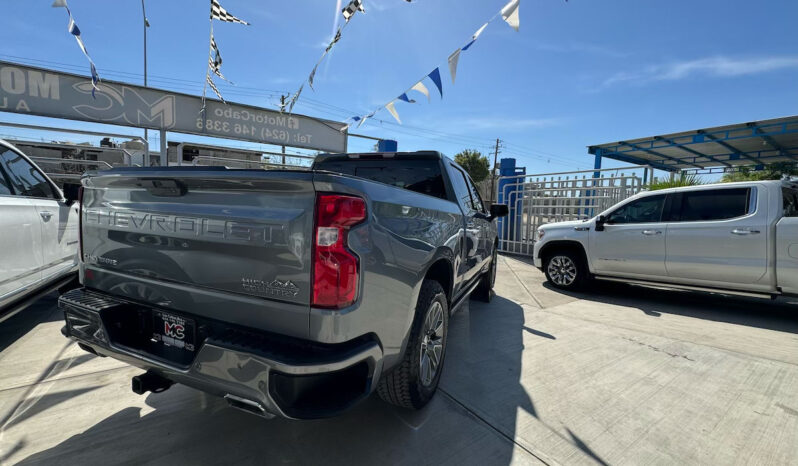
{"x":80,"y":222}
{"x":335,"y":267}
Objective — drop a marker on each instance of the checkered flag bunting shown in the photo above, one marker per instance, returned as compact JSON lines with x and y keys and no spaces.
{"x":215,"y":60}
{"x":353,"y":7}
{"x":217,"y":12}
{"x":209,"y":80}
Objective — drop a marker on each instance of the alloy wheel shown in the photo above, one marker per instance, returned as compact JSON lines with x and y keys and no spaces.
{"x":562,"y":270}
{"x":431,"y":344}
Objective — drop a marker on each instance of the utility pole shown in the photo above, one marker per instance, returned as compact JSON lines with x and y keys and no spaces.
{"x":146,"y":25}
{"x":493,"y":172}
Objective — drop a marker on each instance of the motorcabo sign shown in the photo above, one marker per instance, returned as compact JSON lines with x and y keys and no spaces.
{"x":42,"y":92}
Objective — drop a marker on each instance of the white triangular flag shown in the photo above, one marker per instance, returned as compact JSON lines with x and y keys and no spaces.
{"x":363,"y":120}
{"x":479,"y":31}
{"x":453,"y":58}
{"x":420,"y":87}
{"x":391,"y":109}
{"x":510,"y":14}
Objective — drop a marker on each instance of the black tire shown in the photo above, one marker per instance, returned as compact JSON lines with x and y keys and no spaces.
{"x":484,"y":291}
{"x":566,"y":269}
{"x":69,"y":286}
{"x":405,"y":385}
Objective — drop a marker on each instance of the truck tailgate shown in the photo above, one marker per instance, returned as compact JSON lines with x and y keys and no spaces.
{"x":232,"y":245}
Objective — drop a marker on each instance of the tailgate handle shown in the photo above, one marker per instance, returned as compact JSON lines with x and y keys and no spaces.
{"x":164,"y":187}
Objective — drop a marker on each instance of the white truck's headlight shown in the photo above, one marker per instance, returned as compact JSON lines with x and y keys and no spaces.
{"x":539,"y":234}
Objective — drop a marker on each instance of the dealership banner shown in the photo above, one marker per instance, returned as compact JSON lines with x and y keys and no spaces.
{"x":48,"y":93}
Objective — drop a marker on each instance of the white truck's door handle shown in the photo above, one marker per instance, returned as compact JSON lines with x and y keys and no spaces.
{"x":651,"y":232}
{"x":46,"y":215}
{"x":741,"y":231}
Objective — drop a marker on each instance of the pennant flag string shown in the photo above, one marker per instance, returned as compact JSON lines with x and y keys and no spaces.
{"x":390,"y":107}
{"x":420,"y":87}
{"x":509,"y":13}
{"x":75,"y":31}
{"x":214,"y":56}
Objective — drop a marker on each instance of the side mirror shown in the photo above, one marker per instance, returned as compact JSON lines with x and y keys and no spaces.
{"x":71,"y":192}
{"x":498,"y":210}
{"x":600,"y":221}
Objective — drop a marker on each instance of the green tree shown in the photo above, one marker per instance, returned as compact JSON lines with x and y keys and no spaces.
{"x":774,"y":171}
{"x":474,"y":163}
{"x":677,"y":182}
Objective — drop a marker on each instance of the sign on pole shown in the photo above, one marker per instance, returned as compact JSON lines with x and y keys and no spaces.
{"x":42,"y":92}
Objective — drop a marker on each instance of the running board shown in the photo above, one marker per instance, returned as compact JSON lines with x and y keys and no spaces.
{"x":750,"y":294}
{"x":463,"y":298}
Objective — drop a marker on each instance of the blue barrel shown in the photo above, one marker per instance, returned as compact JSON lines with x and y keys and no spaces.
{"x":387,"y":145}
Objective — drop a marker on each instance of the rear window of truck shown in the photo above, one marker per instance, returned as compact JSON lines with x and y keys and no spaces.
{"x":790,"y":202}
{"x":421,"y":176}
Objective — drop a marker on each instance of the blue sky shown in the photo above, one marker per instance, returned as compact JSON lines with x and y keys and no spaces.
{"x":577,"y":73}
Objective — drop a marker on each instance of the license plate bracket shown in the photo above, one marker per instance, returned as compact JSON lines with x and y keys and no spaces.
{"x":173,"y":331}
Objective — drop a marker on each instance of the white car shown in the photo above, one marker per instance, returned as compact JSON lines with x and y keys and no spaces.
{"x":38,"y":232}
{"x":730,"y":237}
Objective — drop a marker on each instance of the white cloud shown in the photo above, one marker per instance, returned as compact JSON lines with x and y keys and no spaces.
{"x":719,"y":67}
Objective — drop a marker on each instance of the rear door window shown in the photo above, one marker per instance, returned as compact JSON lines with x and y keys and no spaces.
{"x":715,"y":204}
{"x":790,"y":202}
{"x":421,"y":176}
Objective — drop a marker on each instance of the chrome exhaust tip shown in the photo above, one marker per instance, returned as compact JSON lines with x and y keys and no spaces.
{"x":252,"y":407}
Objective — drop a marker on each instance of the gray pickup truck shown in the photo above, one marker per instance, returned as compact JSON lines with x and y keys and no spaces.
{"x":288,"y":293}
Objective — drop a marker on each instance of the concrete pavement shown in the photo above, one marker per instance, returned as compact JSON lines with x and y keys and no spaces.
{"x":617,"y":375}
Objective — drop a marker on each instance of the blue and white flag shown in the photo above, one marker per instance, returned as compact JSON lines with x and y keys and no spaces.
{"x":405,"y":98}
{"x":510,"y":14}
{"x":435,"y":76}
{"x":390,"y":107}
{"x":420,"y":87}
{"x":75,"y":31}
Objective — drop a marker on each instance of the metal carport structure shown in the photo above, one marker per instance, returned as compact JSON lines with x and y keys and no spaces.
{"x":723,"y":148}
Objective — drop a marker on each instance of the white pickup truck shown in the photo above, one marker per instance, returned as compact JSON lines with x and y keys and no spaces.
{"x":739,"y":238}
{"x":38,"y":232}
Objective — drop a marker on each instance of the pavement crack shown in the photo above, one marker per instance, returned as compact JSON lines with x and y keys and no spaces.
{"x":531,"y":295}
{"x":491,"y":426}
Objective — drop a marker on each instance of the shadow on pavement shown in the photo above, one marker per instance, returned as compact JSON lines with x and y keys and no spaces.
{"x":43,"y":310}
{"x":189,"y":427}
{"x":780,"y":314}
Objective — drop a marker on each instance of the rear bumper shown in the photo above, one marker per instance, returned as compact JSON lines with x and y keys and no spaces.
{"x":285,"y":377}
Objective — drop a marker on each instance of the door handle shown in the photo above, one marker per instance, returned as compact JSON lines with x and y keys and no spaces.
{"x":743,"y":232}
{"x":651,"y":232}
{"x":46,"y":215}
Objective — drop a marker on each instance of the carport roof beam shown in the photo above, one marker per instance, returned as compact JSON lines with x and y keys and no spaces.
{"x":658,"y":154}
{"x":730,"y":146}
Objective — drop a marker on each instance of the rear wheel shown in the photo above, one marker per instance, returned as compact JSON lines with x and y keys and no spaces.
{"x":565,"y":269}
{"x":414,"y":381}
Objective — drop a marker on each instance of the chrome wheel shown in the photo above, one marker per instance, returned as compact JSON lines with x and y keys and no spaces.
{"x":562,"y":270}
{"x":431,"y":344}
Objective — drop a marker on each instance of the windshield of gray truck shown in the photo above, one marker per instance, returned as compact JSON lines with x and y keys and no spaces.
{"x":421,"y":176}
